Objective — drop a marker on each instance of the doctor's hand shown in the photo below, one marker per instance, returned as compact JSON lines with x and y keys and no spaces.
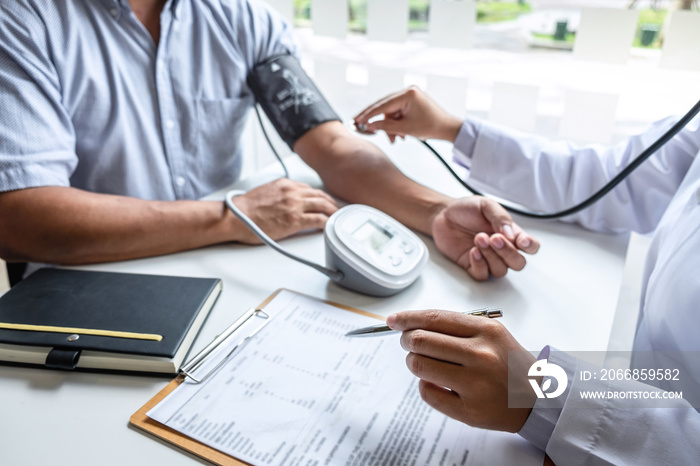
{"x":481,"y":237}
{"x":282,"y":208}
{"x":409,"y":112}
{"x":462,"y":364}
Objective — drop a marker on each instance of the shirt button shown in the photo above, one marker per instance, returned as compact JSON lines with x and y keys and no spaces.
{"x":114,"y":12}
{"x":170,"y":124}
{"x":180,"y":181}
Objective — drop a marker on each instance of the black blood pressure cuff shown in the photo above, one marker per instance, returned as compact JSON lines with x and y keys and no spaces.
{"x":289,"y":98}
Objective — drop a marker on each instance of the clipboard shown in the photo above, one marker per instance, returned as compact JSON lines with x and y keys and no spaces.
{"x":142,"y":422}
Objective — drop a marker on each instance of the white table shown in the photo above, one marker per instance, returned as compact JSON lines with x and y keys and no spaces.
{"x":566,"y":296}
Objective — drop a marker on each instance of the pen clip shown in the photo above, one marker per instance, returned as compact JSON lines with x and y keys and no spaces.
{"x":486,"y":312}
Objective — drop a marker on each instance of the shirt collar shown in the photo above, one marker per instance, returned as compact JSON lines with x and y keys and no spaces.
{"x":123,"y":5}
{"x":176,"y":6}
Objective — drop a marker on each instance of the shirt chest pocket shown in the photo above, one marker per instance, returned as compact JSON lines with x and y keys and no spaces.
{"x":219,"y":125}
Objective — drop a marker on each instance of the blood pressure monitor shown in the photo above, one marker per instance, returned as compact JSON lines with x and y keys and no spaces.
{"x":366,"y":250}
{"x":374,"y":252}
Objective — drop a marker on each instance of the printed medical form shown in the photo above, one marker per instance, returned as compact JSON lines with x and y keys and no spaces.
{"x":301,"y":393}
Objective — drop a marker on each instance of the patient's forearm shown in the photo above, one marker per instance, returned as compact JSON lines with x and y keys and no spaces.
{"x":68,"y":226}
{"x":357,"y":171}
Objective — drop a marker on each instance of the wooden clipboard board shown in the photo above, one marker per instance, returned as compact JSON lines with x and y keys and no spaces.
{"x":141,"y":421}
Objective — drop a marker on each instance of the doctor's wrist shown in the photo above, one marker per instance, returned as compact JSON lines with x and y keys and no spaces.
{"x":450,"y":129}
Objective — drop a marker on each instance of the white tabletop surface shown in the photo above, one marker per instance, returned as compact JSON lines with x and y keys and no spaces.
{"x":566,"y":297}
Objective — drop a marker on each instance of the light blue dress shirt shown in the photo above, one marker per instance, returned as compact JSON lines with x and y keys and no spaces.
{"x":89,"y":100}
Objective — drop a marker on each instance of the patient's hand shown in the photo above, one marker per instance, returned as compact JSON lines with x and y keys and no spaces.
{"x":481,"y":237}
{"x":282,"y":208}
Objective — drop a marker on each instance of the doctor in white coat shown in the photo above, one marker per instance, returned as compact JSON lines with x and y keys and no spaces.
{"x":462,"y":361}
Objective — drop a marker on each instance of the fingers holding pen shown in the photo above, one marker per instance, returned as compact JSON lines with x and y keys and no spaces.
{"x":440,"y":398}
{"x":438,"y":372}
{"x":462,"y":363}
{"x":434,"y":345}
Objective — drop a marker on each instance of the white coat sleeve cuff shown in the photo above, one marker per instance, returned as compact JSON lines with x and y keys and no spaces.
{"x":463,"y":148}
{"x":539,"y":426}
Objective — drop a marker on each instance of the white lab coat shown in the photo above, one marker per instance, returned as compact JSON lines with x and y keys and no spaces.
{"x":662,"y":196}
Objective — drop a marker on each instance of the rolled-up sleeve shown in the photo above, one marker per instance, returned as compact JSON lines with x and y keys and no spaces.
{"x":261,"y":31}
{"x":37,"y":141}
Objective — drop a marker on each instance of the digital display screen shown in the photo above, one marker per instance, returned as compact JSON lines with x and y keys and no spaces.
{"x":372,"y":236}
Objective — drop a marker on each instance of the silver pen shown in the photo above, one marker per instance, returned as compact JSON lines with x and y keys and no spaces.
{"x":383,"y":329}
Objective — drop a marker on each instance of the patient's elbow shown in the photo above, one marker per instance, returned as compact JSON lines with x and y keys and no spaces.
{"x":16,"y":242}
{"x":10,"y":251}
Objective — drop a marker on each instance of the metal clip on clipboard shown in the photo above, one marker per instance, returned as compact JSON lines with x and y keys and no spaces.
{"x":195,"y":363}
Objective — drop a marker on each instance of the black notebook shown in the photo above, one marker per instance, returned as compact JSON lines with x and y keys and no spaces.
{"x":72,"y":319}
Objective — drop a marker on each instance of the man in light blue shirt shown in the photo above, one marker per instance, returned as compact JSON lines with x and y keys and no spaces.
{"x":116,"y":114}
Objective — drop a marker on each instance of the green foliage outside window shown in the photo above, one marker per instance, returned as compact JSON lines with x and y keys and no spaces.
{"x":419,"y":10}
{"x":493,"y":11}
{"x":649,"y":28}
{"x":648,"y":34}
{"x":488,"y":11}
